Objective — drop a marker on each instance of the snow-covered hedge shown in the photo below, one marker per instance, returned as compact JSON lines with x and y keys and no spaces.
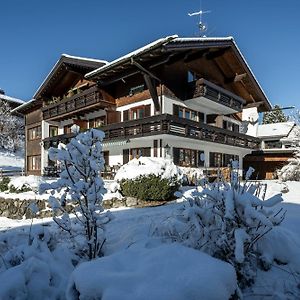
{"x":226,"y":220}
{"x":164,"y":168}
{"x":149,"y":178}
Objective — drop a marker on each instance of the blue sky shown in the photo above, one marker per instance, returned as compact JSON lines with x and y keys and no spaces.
{"x":33,"y":34}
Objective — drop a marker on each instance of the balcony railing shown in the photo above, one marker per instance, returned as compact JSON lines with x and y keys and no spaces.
{"x":84,"y":100}
{"x":204,"y":88}
{"x":168,"y":124}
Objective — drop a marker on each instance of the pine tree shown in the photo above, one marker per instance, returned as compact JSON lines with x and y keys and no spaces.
{"x":275,"y":116}
{"x":11,"y":129}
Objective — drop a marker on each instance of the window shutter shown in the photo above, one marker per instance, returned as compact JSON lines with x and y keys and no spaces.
{"x":175,"y":110}
{"x":126,"y":115}
{"x":147,"y":110}
{"x":125,"y":156}
{"x":176,"y":156}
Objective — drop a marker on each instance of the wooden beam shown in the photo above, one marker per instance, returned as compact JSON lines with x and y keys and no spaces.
{"x":153,"y":91}
{"x":193,"y":56}
{"x":144,"y":70}
{"x":216,"y":53}
{"x":255,"y":104}
{"x":236,"y":78}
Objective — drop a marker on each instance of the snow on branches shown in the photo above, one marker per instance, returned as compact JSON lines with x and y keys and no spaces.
{"x":11,"y":129}
{"x":80,"y":186}
{"x":225,"y":220}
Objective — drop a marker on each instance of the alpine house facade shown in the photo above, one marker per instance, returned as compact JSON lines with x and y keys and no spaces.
{"x":194,"y":100}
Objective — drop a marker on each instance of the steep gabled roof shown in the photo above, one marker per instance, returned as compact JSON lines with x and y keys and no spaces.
{"x":160,"y":51}
{"x":75,"y":62}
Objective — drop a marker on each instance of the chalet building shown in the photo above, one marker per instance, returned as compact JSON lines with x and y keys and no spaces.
{"x":11,"y":101}
{"x":279,"y":141}
{"x":194,"y":100}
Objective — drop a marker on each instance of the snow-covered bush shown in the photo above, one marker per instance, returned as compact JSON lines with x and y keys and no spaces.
{"x":4,"y":184}
{"x":149,"y":187}
{"x":226,"y":220}
{"x":163,"y":272}
{"x":38,"y":270}
{"x":149,"y":178}
{"x":80,"y":184}
{"x":291,"y":171}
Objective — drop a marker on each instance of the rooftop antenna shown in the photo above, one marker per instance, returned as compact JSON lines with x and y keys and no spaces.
{"x":201,"y":25}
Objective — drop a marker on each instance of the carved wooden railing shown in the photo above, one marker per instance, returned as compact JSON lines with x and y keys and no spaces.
{"x":86,"y":98}
{"x":168,"y":124}
{"x":204,"y":88}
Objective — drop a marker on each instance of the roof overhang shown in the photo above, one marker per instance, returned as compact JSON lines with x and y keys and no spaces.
{"x":65,"y":64}
{"x":171,"y":48}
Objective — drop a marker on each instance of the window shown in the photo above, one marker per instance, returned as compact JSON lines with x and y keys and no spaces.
{"x":34,"y":163}
{"x":53,"y":131}
{"x":34,"y":133}
{"x":218,"y":160}
{"x":188,"y":157}
{"x":137,"y":113}
{"x":97,"y":122}
{"x":138,"y":152}
{"x":231,"y":126}
{"x":186,"y":113}
{"x":273,"y":144}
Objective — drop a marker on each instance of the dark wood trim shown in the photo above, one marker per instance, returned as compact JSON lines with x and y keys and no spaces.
{"x":169,"y":124}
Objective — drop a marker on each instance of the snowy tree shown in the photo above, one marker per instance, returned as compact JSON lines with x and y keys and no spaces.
{"x":11,"y":129}
{"x":226,"y":220}
{"x":275,"y":116}
{"x":80,"y":185}
{"x":291,"y":171}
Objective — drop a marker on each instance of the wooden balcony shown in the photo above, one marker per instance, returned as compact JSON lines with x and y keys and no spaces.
{"x":168,"y":124}
{"x":208,"y":90}
{"x":88,"y":100}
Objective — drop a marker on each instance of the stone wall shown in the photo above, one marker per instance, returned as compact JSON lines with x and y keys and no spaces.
{"x":18,"y":209}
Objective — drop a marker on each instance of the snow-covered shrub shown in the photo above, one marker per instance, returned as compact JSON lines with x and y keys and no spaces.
{"x":164,"y":168}
{"x":226,"y":220}
{"x":80,"y":184}
{"x":149,"y":178}
{"x":291,"y":171}
{"x":38,"y":270}
{"x":4,"y":184}
{"x":164,"y":272}
{"x":149,"y":187}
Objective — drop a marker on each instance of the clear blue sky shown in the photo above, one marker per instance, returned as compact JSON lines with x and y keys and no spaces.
{"x":34,"y":33}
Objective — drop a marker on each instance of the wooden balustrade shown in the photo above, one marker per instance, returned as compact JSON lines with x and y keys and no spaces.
{"x":75,"y":103}
{"x":168,"y":124}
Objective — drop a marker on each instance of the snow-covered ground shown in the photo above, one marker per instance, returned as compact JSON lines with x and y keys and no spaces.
{"x":136,"y":264}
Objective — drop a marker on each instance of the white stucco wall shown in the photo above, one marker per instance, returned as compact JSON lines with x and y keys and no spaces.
{"x":250,"y":120}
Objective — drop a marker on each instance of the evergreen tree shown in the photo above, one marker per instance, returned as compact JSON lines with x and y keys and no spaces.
{"x":275,"y":116}
{"x":11,"y":129}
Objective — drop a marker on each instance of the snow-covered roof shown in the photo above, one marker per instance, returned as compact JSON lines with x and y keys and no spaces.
{"x":174,"y":40}
{"x":132,"y":54}
{"x":22,"y":106}
{"x":11,"y":99}
{"x":275,"y":130}
{"x":85,"y":58}
{"x":63,"y":58}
